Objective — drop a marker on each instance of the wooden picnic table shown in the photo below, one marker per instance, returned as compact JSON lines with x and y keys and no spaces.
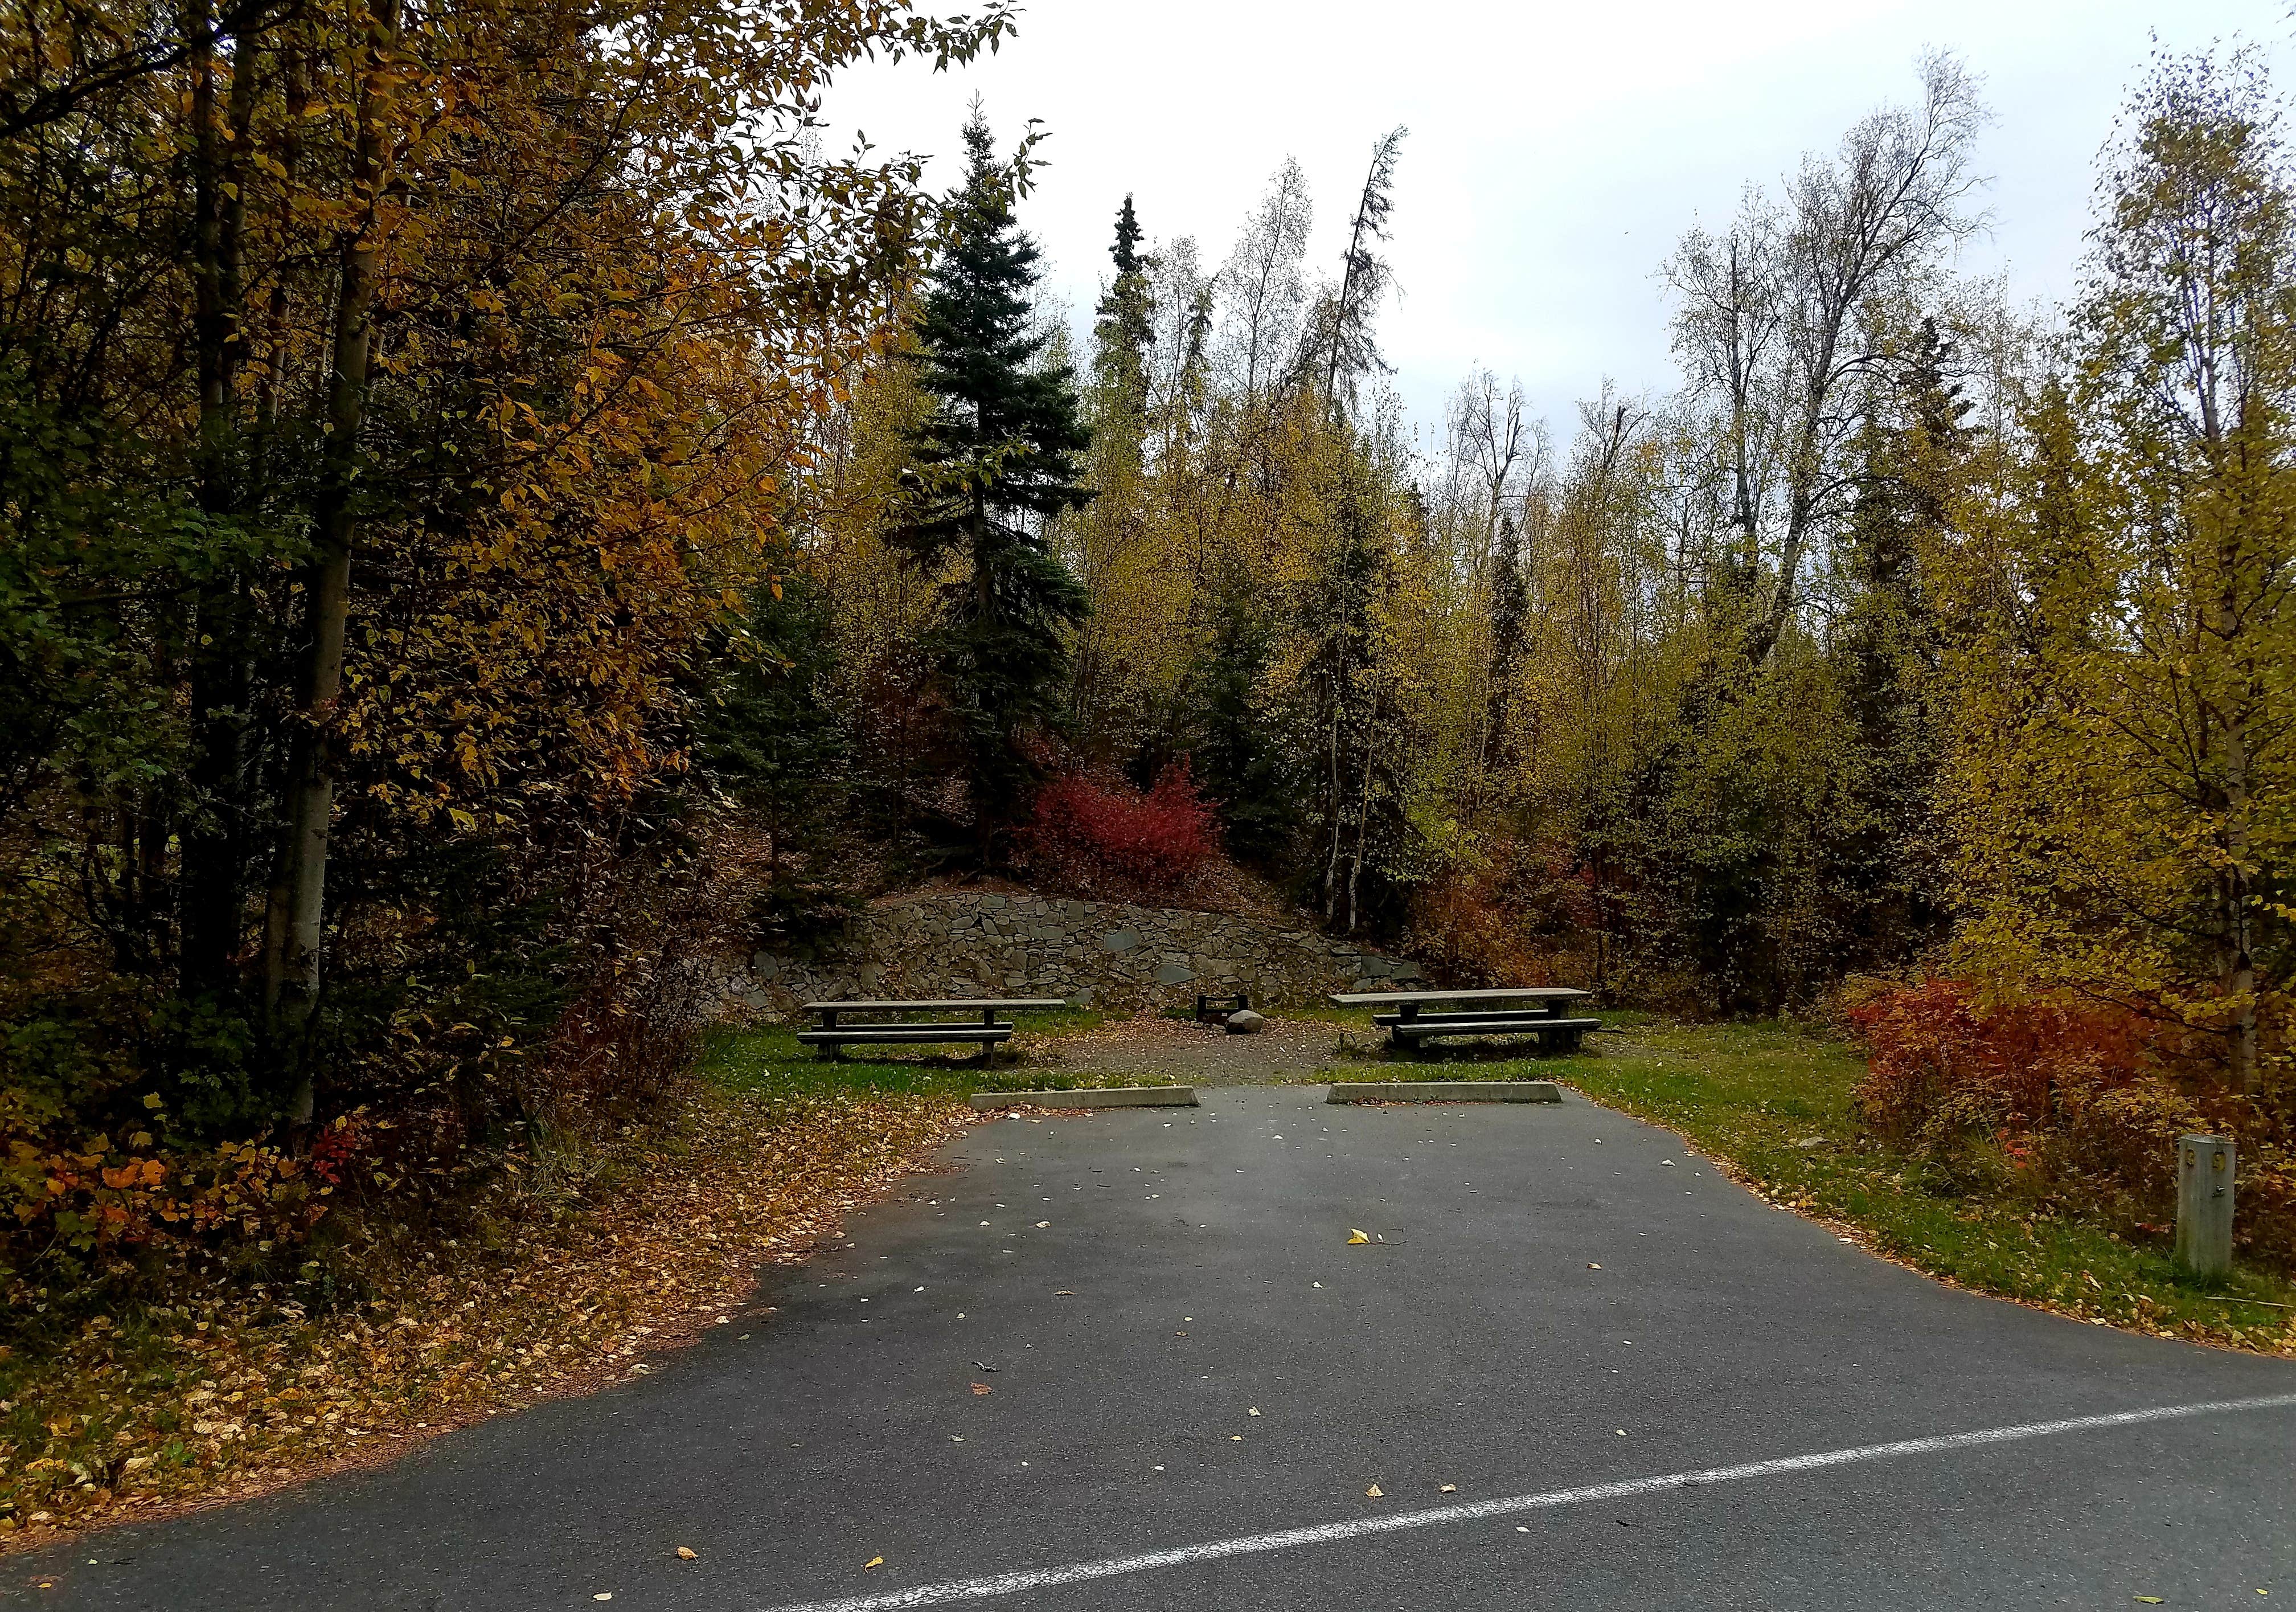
{"x":1538,"y":1012}
{"x":988,"y":1007}
{"x":832,"y":1038}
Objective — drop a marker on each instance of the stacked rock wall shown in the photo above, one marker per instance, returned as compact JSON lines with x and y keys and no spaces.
{"x":1094,"y":953}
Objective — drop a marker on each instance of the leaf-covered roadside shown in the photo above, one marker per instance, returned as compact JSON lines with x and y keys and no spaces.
{"x":224,"y":1397}
{"x":1772,"y":1104}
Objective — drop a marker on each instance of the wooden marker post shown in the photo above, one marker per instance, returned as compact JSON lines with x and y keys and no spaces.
{"x":2204,"y":1178}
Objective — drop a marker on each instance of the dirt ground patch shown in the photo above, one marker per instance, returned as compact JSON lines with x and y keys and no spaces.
{"x":1199,"y":1055}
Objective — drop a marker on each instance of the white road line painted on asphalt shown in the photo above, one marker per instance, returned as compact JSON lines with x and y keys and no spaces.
{"x":1290,"y":1539}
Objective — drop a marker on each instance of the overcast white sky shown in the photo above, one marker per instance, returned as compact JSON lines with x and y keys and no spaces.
{"x":1556,"y":150}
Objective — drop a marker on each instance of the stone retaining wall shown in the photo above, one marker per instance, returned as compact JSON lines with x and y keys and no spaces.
{"x":1094,"y":953}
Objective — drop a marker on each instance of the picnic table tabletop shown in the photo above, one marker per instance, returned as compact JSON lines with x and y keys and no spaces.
{"x":1528,"y":993}
{"x":973,"y":1004}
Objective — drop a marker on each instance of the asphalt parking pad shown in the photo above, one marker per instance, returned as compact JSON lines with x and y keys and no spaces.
{"x":1552,"y":1297}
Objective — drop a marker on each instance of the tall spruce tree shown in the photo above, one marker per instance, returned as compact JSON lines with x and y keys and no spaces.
{"x":1109,"y":536}
{"x":1884,"y":844}
{"x":1222,"y":725}
{"x":1127,"y":323}
{"x":994,"y":462}
{"x":1510,"y":617}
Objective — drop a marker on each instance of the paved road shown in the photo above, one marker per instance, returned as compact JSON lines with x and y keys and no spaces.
{"x":1193,"y":1268}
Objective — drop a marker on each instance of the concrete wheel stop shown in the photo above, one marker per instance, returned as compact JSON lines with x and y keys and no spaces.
{"x":1444,"y":1091}
{"x":1091,"y":1097}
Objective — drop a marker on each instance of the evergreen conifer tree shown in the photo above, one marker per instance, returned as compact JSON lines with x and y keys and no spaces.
{"x":994,"y":462}
{"x":1886,"y":842}
{"x":1107,"y":541}
{"x":1127,"y":323}
{"x":772,"y":739}
{"x":1225,"y":730}
{"x":1127,"y":238}
{"x":1510,"y":617}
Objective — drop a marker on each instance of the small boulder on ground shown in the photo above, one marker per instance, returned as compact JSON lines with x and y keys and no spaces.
{"x":1243,"y":1021}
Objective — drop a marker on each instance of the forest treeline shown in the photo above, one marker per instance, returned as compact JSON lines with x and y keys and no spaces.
{"x":496,"y":517}
{"x":1914,"y":628}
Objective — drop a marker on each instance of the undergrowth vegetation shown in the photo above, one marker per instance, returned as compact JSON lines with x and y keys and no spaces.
{"x":2067,"y":1100}
{"x":1100,"y":836}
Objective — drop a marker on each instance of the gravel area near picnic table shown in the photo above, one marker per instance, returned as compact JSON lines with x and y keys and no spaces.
{"x":1202,"y":1055}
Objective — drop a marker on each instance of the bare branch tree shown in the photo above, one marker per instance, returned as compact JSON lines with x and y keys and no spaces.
{"x":1768,"y":328}
{"x":1264,"y":288}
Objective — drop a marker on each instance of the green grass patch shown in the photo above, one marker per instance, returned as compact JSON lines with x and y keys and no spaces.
{"x":770,"y":1060}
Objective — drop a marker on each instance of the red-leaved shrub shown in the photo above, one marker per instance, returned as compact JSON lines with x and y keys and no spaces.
{"x":1941,"y":1067}
{"x":2084,"y":1098}
{"x":1097,"y":833}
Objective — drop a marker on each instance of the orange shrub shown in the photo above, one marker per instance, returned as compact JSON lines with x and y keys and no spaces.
{"x":106,"y":1194}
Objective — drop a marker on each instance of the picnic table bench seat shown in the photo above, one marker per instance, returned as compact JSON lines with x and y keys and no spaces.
{"x":1549,"y":1030}
{"x":928,"y":1034}
{"x":1472,"y":1016}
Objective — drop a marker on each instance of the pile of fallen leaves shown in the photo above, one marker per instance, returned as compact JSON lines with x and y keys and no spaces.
{"x":234,"y":1393}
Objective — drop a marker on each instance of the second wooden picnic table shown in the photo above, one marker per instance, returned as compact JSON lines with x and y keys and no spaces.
{"x":1482,"y":1013}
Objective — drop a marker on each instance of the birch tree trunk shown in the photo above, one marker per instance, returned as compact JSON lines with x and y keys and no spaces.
{"x":297,"y":915}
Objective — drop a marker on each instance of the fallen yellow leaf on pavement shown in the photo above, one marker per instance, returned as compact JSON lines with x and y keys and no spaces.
{"x":874,"y":1561}
{"x":1355,"y":1235}
{"x":687,"y":1553}
{"x":1375,"y":1492}
{"x":1449,"y":1489}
